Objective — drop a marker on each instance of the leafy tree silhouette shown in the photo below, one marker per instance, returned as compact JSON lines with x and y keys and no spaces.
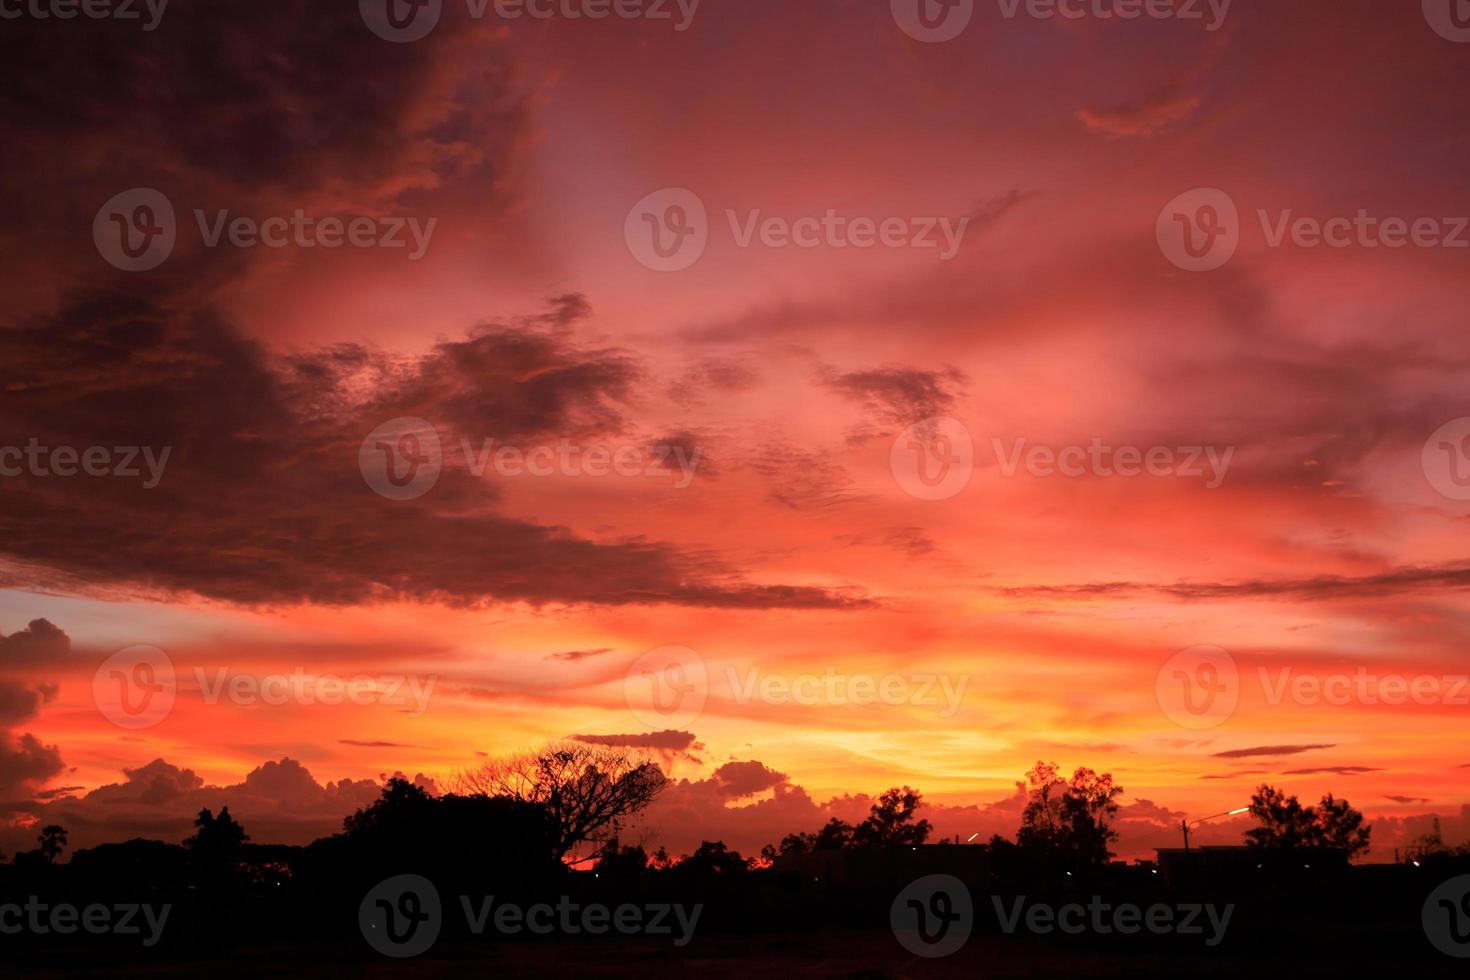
{"x":52,"y":841}
{"x":713,"y":857}
{"x":217,"y":839}
{"x":620,"y":863}
{"x":474,"y":840}
{"x":1069,"y":821}
{"x":890,"y":823}
{"x":1287,"y":825}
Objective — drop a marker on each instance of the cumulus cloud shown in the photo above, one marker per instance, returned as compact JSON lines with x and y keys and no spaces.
{"x":278,"y":802}
{"x":24,"y":760}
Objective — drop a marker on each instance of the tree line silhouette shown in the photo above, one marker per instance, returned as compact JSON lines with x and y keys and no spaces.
{"x":521,"y":827}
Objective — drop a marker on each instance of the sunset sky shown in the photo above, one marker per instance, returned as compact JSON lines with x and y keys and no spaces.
{"x":789,"y":379}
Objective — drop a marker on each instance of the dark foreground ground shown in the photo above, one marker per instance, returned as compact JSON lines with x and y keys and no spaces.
{"x":794,"y":955}
{"x":1295,"y":919}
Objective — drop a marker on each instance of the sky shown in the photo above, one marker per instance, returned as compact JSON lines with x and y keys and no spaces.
{"x":811,"y":399}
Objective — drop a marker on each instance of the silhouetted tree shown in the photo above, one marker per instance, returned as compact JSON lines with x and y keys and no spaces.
{"x":1287,"y":825}
{"x":487,"y":841}
{"x":586,"y":789}
{"x":52,"y":841}
{"x":835,"y":835}
{"x":621,"y":863}
{"x":217,"y":840}
{"x":1069,"y":820}
{"x":713,"y":857}
{"x":891,"y":821}
{"x":401,"y":803}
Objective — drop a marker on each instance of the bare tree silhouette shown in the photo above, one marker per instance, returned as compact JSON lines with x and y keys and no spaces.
{"x":586,"y":789}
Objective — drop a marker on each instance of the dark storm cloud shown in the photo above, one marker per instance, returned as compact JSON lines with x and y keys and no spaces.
{"x":263,"y":500}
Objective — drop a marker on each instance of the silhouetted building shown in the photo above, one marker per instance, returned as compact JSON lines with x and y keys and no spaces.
{"x":861,"y":867}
